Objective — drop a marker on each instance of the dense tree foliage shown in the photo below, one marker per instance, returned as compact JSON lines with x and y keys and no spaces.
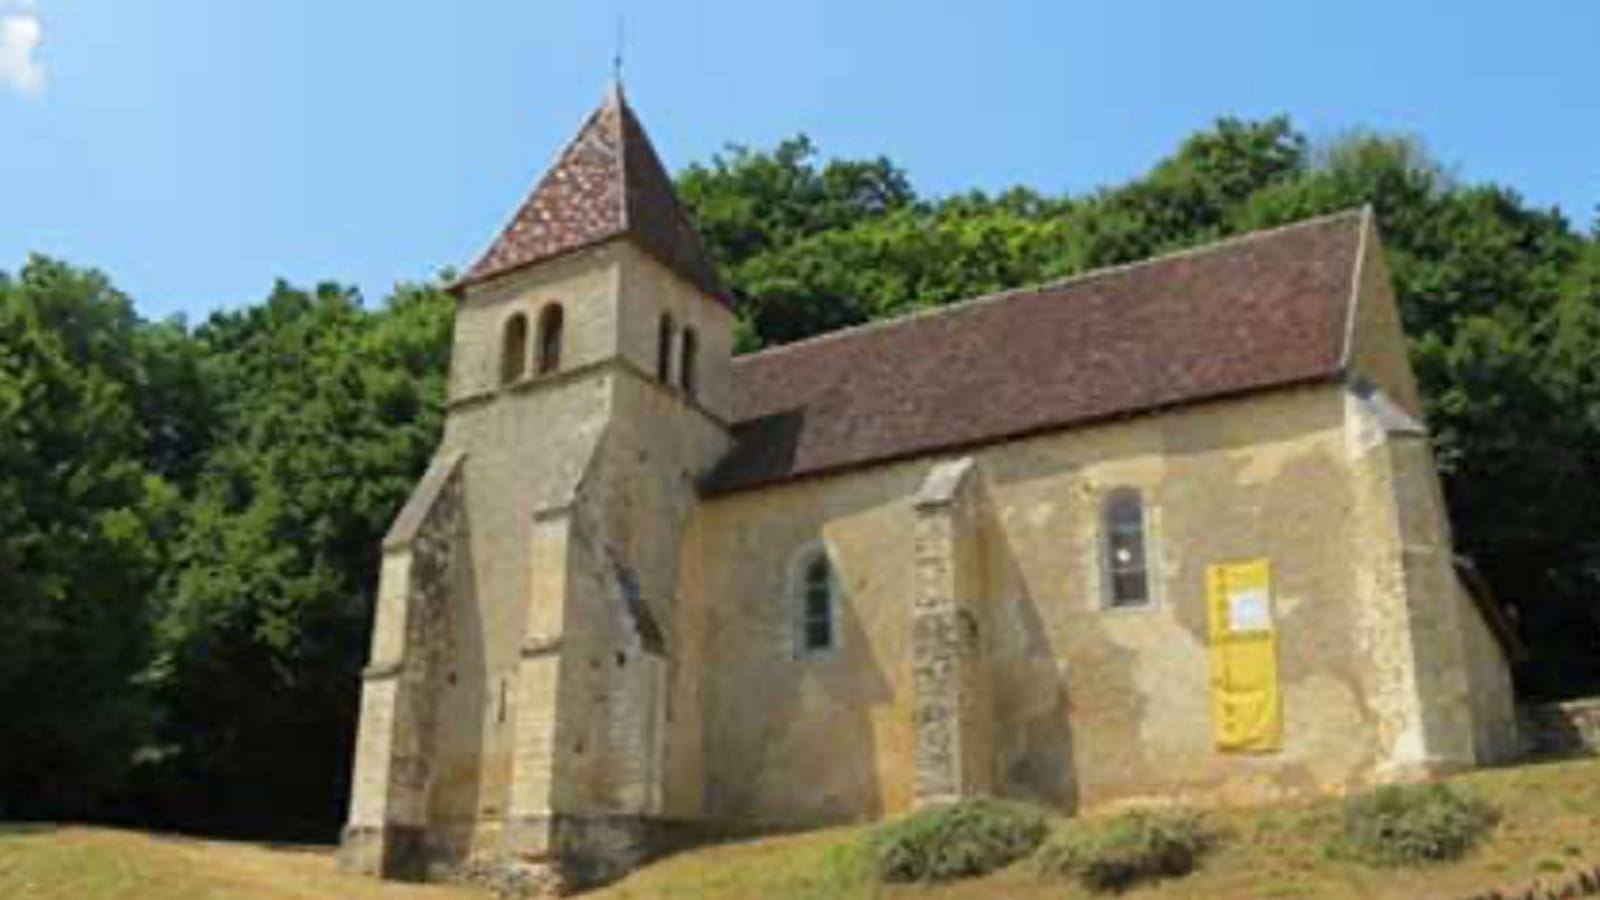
{"x":85,"y":516}
{"x":190,"y":516}
{"x":189,"y":543}
{"x":325,"y":415}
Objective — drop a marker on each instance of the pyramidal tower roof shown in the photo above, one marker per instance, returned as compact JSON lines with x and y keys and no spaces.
{"x":608,"y":182}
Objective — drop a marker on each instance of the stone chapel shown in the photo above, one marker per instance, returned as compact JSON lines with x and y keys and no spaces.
{"x":1167,"y":531}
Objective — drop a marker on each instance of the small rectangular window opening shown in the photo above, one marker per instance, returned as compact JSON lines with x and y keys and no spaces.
{"x":816,"y":611}
{"x":1126,"y":566}
{"x":819,"y":618}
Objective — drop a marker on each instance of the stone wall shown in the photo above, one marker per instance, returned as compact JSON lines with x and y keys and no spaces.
{"x":584,"y":283}
{"x":547,"y":653}
{"x":1561,"y":729}
{"x":1412,"y":615}
{"x":1104,"y":706}
{"x":649,"y":289}
{"x":527,"y":448}
{"x":582,"y":491}
{"x":791,"y":739}
{"x":1091,"y":706}
{"x":412,"y":658}
{"x":952,"y":710}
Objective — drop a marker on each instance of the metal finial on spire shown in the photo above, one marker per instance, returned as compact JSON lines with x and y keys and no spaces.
{"x":616,"y":58}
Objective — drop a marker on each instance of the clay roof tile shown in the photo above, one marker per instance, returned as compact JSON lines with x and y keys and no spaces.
{"x":608,"y":182}
{"x":1266,"y":310}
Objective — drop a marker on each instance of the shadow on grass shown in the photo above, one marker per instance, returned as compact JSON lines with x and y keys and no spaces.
{"x":1537,"y":759}
{"x":175,"y":837}
{"x":24,"y":829}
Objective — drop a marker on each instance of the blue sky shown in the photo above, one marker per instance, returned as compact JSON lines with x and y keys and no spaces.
{"x":198,"y":149}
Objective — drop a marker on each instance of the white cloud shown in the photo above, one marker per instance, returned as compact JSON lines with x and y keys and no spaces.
{"x":20,"y":34}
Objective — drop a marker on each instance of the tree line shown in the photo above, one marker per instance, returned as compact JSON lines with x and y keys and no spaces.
{"x":190,"y":515}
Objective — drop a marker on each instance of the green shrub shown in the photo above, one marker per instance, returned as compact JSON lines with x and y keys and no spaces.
{"x":1407,"y":825}
{"x":961,"y":840}
{"x":1115,"y":854}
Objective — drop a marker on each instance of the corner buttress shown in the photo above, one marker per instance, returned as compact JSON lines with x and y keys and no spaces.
{"x":385,"y":834}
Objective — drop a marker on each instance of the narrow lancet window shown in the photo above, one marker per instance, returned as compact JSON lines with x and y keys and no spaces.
{"x":816,"y":596}
{"x":687,"y":376}
{"x":550,"y":323}
{"x":1127,"y":566}
{"x":514,"y":349}
{"x":664,"y":335}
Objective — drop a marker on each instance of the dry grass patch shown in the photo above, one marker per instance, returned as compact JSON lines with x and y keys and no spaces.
{"x":71,"y":863}
{"x":1549,"y":829}
{"x":1549,"y":813}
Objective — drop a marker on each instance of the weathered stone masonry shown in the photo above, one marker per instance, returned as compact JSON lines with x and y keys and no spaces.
{"x":952,"y":710}
{"x":411,"y":656}
{"x":588,"y":638}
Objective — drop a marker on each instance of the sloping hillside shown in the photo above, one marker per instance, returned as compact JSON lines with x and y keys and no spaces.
{"x":70,"y":863}
{"x":1550,"y":829}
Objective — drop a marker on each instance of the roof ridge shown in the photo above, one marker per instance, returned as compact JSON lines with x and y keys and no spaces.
{"x":615,"y":98}
{"x":627,"y":119}
{"x":968,"y":304}
{"x":1356,"y":278}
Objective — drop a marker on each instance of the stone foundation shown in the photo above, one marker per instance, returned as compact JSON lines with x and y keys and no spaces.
{"x":596,"y":850}
{"x":396,"y":852}
{"x":554,"y":854}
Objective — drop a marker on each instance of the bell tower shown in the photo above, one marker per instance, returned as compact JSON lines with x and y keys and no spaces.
{"x":518,"y":702}
{"x":606,"y":204}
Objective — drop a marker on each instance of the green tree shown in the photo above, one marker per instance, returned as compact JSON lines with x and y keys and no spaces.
{"x":911,"y":259}
{"x":747,"y":202}
{"x":1194,"y":196}
{"x":327,"y":415}
{"x":83,"y":519}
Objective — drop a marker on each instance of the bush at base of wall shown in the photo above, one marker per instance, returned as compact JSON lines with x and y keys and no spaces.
{"x":961,"y":840}
{"x":1408,"y":825}
{"x":1116,"y":854}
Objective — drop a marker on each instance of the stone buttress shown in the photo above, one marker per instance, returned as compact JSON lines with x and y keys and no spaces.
{"x":952,"y":711}
{"x":411,"y":654}
{"x":1410,"y":613}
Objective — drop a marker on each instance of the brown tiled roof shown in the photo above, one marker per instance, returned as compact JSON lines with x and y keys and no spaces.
{"x":1261,"y":311}
{"x":607,"y":183}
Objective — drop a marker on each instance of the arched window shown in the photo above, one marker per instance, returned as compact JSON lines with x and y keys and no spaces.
{"x":816,"y":600}
{"x":550,"y":338}
{"x":687,"y":376}
{"x":514,"y":349}
{"x":1127,"y":566}
{"x":664,"y":349}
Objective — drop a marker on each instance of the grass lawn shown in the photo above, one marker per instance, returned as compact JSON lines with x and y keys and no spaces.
{"x":72,"y":863}
{"x":1550,"y":825}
